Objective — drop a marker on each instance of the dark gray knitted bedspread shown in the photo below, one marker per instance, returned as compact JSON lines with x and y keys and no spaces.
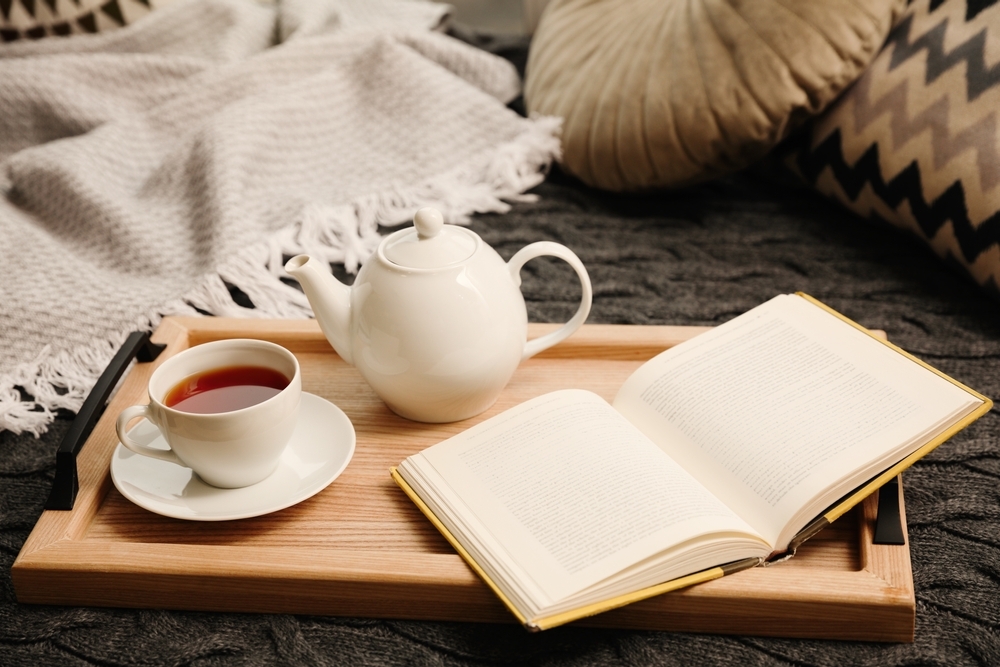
{"x":699,"y":256}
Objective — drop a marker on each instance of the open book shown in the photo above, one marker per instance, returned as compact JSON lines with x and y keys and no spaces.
{"x":716,"y":455}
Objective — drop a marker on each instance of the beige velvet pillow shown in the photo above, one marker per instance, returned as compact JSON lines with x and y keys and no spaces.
{"x":659,"y":93}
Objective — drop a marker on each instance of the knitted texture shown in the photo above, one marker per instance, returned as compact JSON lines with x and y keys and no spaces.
{"x":146,"y":171}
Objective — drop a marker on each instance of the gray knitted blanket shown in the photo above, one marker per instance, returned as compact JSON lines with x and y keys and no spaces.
{"x":165,"y":167}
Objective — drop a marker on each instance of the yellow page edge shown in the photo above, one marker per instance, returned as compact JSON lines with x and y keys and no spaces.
{"x":879,"y":481}
{"x":644,"y":593}
{"x":422,"y":506}
{"x":581,"y":612}
{"x":923,"y":451}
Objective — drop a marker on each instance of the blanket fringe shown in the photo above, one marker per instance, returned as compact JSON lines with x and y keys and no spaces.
{"x":345,"y":233}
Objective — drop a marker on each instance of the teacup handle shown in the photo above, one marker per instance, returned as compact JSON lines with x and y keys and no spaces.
{"x":134,"y":412}
{"x":538,"y":249}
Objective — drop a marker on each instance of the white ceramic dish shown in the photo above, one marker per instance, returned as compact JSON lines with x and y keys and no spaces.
{"x":321,"y":447}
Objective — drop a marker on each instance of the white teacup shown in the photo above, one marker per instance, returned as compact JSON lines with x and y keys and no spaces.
{"x":227,"y":449}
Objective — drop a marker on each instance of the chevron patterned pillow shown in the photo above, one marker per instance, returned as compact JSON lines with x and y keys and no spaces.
{"x":916,"y":140}
{"x":33,"y":19}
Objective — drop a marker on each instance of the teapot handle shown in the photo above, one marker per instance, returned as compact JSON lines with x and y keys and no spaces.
{"x":538,"y":249}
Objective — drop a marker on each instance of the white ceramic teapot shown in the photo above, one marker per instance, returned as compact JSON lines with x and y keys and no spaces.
{"x":435,"y":321}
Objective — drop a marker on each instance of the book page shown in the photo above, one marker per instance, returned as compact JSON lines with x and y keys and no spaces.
{"x":786,"y":408}
{"x":571,"y":493}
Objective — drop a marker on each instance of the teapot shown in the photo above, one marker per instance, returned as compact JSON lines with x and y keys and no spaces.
{"x":435,"y":321}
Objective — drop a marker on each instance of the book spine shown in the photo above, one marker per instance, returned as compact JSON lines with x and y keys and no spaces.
{"x":740,"y":565}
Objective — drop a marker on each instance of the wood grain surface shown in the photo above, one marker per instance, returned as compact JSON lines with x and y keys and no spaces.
{"x":360,"y":548}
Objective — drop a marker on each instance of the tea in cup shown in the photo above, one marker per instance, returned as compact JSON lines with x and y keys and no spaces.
{"x":226,"y":409}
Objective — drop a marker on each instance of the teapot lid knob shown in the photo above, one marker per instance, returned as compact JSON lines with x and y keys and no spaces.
{"x":429,"y":222}
{"x":429,"y":244}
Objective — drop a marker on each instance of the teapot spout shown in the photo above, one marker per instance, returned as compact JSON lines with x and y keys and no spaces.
{"x":330,"y":300}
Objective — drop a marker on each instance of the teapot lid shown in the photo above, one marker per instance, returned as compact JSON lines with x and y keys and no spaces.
{"x":430,"y":243}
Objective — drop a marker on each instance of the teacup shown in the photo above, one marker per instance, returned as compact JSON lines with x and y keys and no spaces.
{"x":228,"y":444}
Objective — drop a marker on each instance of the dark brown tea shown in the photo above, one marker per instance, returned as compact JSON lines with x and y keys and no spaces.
{"x":225,"y":389}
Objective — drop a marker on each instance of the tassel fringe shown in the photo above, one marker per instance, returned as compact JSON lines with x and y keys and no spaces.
{"x":346,"y":233}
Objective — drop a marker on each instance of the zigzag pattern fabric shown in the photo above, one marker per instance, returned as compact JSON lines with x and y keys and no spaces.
{"x":34,"y":19}
{"x":915,"y":142}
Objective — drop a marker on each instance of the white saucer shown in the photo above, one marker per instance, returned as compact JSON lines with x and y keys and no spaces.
{"x":321,"y":447}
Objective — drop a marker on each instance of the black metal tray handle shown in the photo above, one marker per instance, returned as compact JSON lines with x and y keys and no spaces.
{"x":888,"y":523}
{"x":137,"y":346}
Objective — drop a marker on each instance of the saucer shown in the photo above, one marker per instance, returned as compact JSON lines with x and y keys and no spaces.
{"x":321,"y":447}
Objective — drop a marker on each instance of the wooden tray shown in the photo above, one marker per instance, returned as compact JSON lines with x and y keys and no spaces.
{"x":361,"y":548}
